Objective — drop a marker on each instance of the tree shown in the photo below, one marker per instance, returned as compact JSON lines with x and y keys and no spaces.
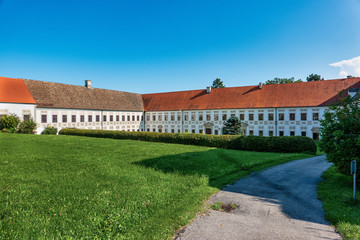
{"x":217,"y":83}
{"x":314,"y":77}
{"x":340,"y":132}
{"x":233,"y":126}
{"x":282,"y":80}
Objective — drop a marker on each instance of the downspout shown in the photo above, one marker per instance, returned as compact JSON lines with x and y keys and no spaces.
{"x":276,"y":122}
{"x":144,"y":124}
{"x":101,"y":119}
{"x":182,"y":121}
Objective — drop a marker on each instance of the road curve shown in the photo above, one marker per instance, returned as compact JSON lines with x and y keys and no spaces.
{"x":278,"y":203}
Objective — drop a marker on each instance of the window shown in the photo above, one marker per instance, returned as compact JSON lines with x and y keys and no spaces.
{"x":271,"y":117}
{"x":160,"y":117}
{"x":200,"y":131}
{"x":104,"y":118}
{"x":89,"y":118}
{"x":172,"y":130}
{"x":232,"y":115}
{"x":179,"y":117}
{"x":44,"y":118}
{"x":216,"y":117}
{"x":315,"y":116}
{"x":64,"y":118}
{"x":154,"y":130}
{"x":292,"y":133}
{"x":160,"y":130}
{"x":73,"y":118}
{"x":178,"y":130}
{"x":192,"y":117}
{"x":251,"y":132}
{"x":82,"y":118}
{"x":185,"y":117}
{"x":224,"y":117}
{"x":123,"y":118}
{"x":261,"y":117}
{"x":251,"y":116}
{"x":111,"y":118}
{"x":133,"y":118}
{"x":208,"y":117}
{"x":292,"y":116}
{"x":137,"y":118}
{"x":117,"y":118}
{"x":98,"y":118}
{"x":26,"y":117}
{"x":167,"y":117}
{"x":261,"y":133}
{"x":281,"y":133}
{"x":128,"y":118}
{"x":281,"y":117}
{"x":172,"y":117}
{"x":54,"y":118}
{"x":148,"y":129}
{"x":216,"y":132}
{"x":271,"y":133}
{"x":147,"y":118}
{"x":200,"y":117}
{"x":193,"y":130}
{"x":303,"y":134}
{"x":303,"y":117}
{"x":242,"y":116}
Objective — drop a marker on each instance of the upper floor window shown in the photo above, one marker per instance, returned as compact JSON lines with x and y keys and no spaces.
{"x":133,"y":118}
{"x":303,"y":116}
{"x":224,"y":117}
{"x":251,"y":117}
{"x":208,"y":117}
{"x":82,"y":118}
{"x":111,"y":118}
{"x":98,"y":118}
{"x":64,"y":118}
{"x":261,"y":116}
{"x":154,"y":117}
{"x":200,"y":117}
{"x":44,"y":118}
{"x":186,"y":117}
{"x":271,"y":117}
{"x":166,"y":117}
{"x":104,"y":118}
{"x":128,"y":118}
{"x":292,"y":116}
{"x":89,"y":118}
{"x":216,"y":117}
{"x":193,"y":117}
{"x":137,"y":118}
{"x":315,"y":116}
{"x":281,"y":117}
{"x":242,"y":116}
{"x":73,"y":118}
{"x":54,"y":118}
{"x":117,"y":118}
{"x":172,"y":117}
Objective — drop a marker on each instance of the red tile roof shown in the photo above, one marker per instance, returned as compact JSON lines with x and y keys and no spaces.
{"x":14,"y":90}
{"x":304,"y":94}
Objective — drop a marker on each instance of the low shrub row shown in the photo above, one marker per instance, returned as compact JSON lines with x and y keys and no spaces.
{"x":292,"y":144}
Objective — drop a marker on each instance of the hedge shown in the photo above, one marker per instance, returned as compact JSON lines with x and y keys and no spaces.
{"x":284,"y":144}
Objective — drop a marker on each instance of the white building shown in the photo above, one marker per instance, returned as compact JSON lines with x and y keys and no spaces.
{"x":266,"y":110}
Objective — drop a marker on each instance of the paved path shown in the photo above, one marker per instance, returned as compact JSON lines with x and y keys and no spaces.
{"x":278,"y":203}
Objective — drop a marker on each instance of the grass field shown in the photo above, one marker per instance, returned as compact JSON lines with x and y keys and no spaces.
{"x":340,"y":208}
{"x":79,"y":187}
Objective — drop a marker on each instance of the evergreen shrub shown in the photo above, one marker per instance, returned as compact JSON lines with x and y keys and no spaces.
{"x":50,"y":131}
{"x":292,"y":144}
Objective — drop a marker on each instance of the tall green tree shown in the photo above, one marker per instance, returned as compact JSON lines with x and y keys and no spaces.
{"x":314,"y":77}
{"x":217,"y":83}
{"x":233,"y":126}
{"x":282,"y":80}
{"x":340,"y":132}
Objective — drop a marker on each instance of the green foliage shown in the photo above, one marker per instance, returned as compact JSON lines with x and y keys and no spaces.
{"x":68,"y":187}
{"x":282,"y":80}
{"x":10,"y":122}
{"x":340,"y":133}
{"x":335,"y":192}
{"x":27,"y":126}
{"x":292,"y":144}
{"x":233,"y":126}
{"x":50,"y":131}
{"x":217,"y":83}
{"x":314,"y":77}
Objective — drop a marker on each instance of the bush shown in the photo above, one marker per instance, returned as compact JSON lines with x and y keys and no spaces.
{"x":10,"y":122}
{"x":50,"y":131}
{"x":27,"y":126}
{"x":293,"y":144}
{"x":340,"y":133}
{"x":5,"y":130}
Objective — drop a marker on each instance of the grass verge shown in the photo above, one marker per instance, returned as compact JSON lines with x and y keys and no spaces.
{"x":336,"y":194}
{"x":90,"y":188}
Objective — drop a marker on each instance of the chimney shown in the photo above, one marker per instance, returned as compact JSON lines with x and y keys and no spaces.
{"x":260,"y":85}
{"x":88,"y":84}
{"x":208,"y":90}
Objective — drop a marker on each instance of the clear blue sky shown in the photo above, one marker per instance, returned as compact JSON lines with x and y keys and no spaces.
{"x":159,"y":46}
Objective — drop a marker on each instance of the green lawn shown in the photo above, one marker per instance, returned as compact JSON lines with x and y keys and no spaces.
{"x":341,"y":210}
{"x":90,"y":188}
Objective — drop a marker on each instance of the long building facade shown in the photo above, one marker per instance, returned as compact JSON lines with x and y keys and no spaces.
{"x":292,"y":109}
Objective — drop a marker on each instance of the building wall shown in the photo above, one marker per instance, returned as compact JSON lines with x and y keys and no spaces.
{"x":296,"y":121}
{"x":19,"y":109}
{"x":88,"y":119}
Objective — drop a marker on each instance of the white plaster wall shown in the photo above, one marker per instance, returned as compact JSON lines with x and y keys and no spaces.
{"x":115,"y":124}
{"x":19,"y":109}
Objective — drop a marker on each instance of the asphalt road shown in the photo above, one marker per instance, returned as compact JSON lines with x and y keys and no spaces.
{"x":278,"y":203}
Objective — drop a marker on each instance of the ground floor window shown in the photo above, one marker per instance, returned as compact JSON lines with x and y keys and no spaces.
{"x":216,"y":132}
{"x":303,"y":134}
{"x":292,"y":133}
{"x":251,"y":132}
{"x":26,"y":117}
{"x":281,"y":133}
{"x":271,"y":133}
{"x":200,"y":131}
{"x":193,"y":130}
{"x":261,"y":133}
{"x":316,"y":136}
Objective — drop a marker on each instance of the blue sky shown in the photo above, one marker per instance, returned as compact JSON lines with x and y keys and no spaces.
{"x":159,"y":46}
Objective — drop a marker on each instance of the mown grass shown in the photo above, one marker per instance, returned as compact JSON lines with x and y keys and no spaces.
{"x":341,"y":210}
{"x":87,"y":188}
